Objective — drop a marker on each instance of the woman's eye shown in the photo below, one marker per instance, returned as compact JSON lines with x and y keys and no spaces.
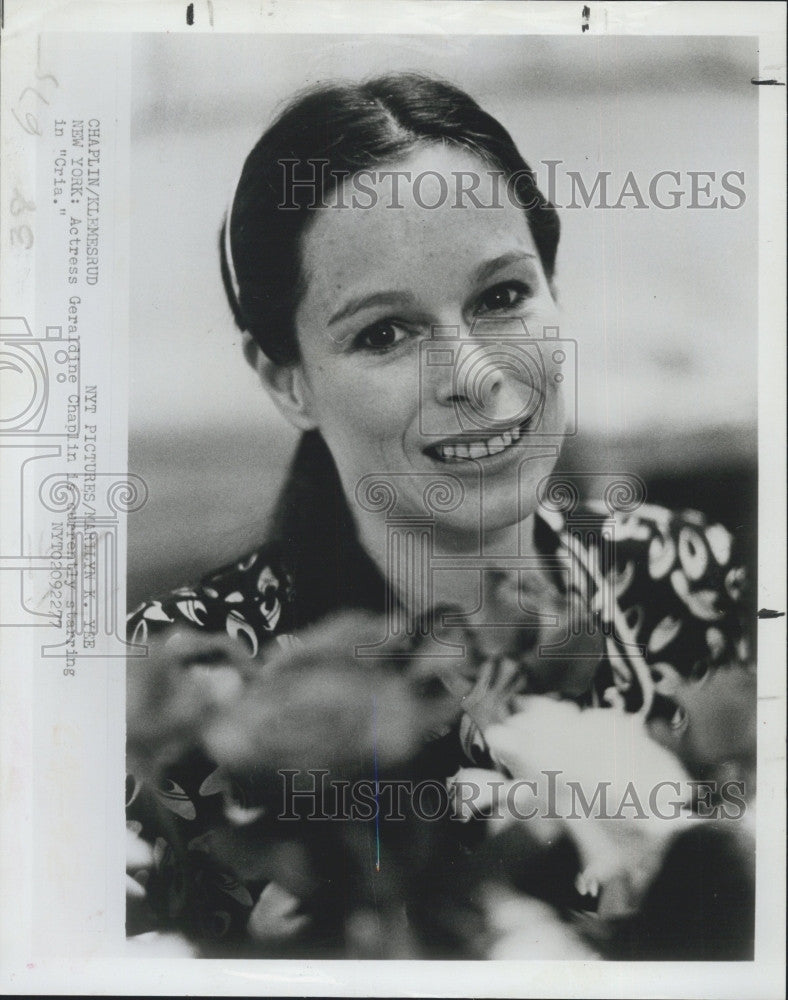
{"x":380,"y":336}
{"x":505,"y":296}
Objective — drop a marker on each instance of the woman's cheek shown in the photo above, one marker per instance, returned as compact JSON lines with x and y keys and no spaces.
{"x":385,"y":398}
{"x":362,"y":411}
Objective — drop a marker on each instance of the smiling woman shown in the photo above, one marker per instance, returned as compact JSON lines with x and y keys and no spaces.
{"x":476,"y":281}
{"x":413,"y":338}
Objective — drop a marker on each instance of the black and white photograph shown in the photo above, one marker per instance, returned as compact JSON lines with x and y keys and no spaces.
{"x":396,"y":489}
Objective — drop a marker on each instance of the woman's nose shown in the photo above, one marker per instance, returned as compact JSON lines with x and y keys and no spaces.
{"x":478,"y":380}
{"x":465,"y":376}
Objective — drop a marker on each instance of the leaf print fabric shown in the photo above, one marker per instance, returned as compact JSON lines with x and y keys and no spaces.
{"x":655,"y":602}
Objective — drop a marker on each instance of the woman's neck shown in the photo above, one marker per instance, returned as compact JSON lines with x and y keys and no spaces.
{"x":404,"y":555}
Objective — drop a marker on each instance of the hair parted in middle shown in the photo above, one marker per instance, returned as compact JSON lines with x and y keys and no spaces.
{"x":334,"y":131}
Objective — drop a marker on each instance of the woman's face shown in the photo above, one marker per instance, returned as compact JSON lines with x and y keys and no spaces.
{"x":382,"y":285}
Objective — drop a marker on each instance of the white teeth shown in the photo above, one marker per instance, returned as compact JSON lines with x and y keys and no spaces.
{"x":480,"y":449}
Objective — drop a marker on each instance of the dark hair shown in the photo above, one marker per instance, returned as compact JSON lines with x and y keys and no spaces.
{"x":352,"y":126}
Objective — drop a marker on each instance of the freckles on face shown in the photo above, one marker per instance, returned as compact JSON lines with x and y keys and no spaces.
{"x":379,"y":279}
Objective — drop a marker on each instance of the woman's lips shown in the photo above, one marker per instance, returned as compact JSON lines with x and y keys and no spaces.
{"x":470,"y":448}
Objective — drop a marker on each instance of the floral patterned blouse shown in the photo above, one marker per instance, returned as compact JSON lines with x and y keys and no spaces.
{"x":665,"y":592}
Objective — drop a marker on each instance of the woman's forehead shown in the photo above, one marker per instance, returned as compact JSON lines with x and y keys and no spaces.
{"x":429,"y":227}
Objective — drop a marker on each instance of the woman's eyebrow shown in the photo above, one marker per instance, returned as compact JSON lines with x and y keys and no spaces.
{"x":490,"y":267}
{"x":388,"y":298}
{"x":397,"y":298}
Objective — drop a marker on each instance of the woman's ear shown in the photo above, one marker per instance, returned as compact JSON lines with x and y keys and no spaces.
{"x":285,"y":384}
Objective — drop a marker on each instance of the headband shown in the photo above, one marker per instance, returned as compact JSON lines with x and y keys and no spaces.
{"x":228,"y":248}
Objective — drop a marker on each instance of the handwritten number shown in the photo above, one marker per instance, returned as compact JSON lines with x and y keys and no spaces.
{"x":19,"y":205}
{"x":30,"y":125}
{"x":46,"y":76}
{"x":22,"y":235}
{"x":34,"y":91}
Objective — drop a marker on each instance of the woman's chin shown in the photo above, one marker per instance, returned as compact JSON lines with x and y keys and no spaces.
{"x":474,"y":505}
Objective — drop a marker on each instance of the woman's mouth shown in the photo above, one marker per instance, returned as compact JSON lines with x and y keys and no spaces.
{"x":469,"y":448}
